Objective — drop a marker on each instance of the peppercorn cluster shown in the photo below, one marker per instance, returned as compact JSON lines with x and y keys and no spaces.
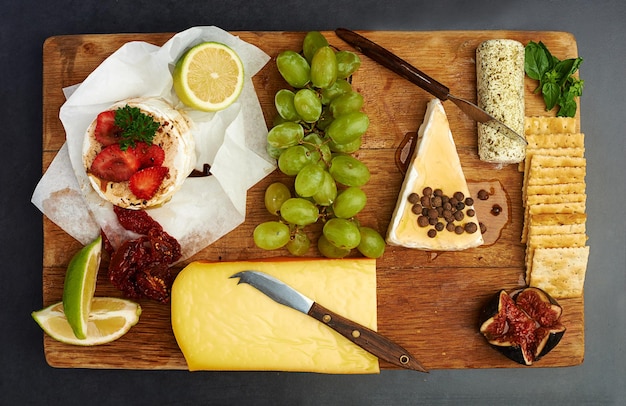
{"x":440,"y":212}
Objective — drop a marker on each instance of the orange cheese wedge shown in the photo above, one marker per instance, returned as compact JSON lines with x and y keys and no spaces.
{"x":220,"y":325}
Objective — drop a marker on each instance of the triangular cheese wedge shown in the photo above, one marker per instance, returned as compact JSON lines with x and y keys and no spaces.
{"x":435,"y":164}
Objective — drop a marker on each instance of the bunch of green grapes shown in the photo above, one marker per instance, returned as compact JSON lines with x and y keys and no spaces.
{"x":319,"y":124}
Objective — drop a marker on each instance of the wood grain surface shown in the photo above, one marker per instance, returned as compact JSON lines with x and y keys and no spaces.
{"x":428,"y":302}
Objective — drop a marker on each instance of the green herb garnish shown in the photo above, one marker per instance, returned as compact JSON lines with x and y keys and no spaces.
{"x":556,"y":81}
{"x":135,"y":126}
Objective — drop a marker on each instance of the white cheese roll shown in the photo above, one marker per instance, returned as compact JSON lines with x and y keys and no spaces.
{"x":500,"y":85}
{"x":174,"y":136}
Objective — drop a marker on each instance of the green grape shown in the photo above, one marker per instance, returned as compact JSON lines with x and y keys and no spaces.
{"x":294,"y":68}
{"x":309,"y":180}
{"x":347,"y":63}
{"x":275,"y":196}
{"x":271,"y":235}
{"x":278,"y":120}
{"x":274,"y":152}
{"x":372,"y":244}
{"x":349,"y":171}
{"x":349,"y":202}
{"x":325,"y":120}
{"x":324,"y":68}
{"x":330,"y":251}
{"x":348,"y":127}
{"x":285,"y":135}
{"x":283,"y":100}
{"x":293,"y":159}
{"x":346,"y":103}
{"x":342,"y":233}
{"x":299,"y":211}
{"x":313,"y":41}
{"x":308,"y":105}
{"x":299,"y":244}
{"x":320,"y":151}
{"x":348,"y":148}
{"x":341,"y":86}
{"x":327,"y":193}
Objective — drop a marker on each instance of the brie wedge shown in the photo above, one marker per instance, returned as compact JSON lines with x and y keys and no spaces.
{"x":174,"y":136}
{"x":435,"y":164}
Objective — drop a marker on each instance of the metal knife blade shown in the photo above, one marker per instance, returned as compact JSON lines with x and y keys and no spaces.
{"x":362,"y":336}
{"x":414,"y":75}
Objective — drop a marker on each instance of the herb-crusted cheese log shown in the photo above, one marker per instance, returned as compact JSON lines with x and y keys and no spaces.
{"x":500,"y":85}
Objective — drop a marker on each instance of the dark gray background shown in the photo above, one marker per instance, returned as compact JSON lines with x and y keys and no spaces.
{"x":25,"y":378}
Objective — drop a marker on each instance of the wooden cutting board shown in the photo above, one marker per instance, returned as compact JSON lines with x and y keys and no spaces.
{"x":428,"y":302}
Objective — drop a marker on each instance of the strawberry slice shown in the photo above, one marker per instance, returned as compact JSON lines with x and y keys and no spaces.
{"x":149,"y":155}
{"x":113,"y":164}
{"x":106,"y":132}
{"x":145,"y":182}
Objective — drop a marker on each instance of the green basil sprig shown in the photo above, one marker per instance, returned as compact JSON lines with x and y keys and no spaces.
{"x":556,"y":81}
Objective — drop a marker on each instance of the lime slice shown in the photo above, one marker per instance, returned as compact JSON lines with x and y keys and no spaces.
{"x":110,"y":318}
{"x":80,"y":285}
{"x":209,"y":77}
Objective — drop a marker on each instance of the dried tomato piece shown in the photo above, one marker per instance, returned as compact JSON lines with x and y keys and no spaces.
{"x":141,"y":268}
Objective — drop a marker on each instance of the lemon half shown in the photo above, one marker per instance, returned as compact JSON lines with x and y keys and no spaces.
{"x":80,"y":286}
{"x":109,"y":319}
{"x":209,"y":77}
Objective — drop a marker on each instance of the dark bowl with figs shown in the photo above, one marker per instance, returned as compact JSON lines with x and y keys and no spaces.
{"x":523,"y":325}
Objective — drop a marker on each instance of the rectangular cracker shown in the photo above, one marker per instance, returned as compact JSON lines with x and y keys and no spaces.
{"x":558,"y":219}
{"x":573,"y":207}
{"x":559,"y":188}
{"x":556,"y":198}
{"x":552,"y":161}
{"x":560,"y":271}
{"x":565,"y":140}
{"x":552,"y":175}
{"x":549,"y":125}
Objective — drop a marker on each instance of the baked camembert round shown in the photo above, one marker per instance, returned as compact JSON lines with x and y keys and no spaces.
{"x":173,"y":136}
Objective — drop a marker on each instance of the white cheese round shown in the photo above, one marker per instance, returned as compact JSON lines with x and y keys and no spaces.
{"x":174,"y":136}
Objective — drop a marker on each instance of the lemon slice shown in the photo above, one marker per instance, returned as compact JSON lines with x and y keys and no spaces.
{"x":209,"y":77}
{"x":110,"y":318}
{"x":80,"y":285}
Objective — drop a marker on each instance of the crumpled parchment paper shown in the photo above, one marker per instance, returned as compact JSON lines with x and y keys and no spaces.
{"x":232,"y":141}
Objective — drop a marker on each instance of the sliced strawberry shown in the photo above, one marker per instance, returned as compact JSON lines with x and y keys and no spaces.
{"x":149,"y":155}
{"x":113,"y":164}
{"x":145,"y":182}
{"x":106,"y":132}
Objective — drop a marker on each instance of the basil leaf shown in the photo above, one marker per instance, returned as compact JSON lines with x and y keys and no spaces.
{"x":536,"y":62}
{"x":551,"y":92}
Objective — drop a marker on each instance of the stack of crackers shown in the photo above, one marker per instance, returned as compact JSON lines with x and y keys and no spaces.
{"x":554,"y":200}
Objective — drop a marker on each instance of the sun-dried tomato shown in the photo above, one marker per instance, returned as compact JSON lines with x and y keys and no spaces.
{"x":141,"y":268}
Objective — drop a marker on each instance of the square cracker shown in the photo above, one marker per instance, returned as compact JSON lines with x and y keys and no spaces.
{"x":560,"y":271}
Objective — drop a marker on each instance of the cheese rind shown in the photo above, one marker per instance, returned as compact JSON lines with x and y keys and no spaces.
{"x":436,"y":164}
{"x":220,"y":325}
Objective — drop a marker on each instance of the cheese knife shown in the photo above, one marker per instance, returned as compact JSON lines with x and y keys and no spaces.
{"x":414,"y":75}
{"x":362,"y":336}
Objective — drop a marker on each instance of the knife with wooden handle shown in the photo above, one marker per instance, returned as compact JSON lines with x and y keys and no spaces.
{"x":362,"y":336}
{"x":416,"y":76}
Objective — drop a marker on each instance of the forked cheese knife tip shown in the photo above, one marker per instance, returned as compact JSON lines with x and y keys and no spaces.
{"x":362,"y":336}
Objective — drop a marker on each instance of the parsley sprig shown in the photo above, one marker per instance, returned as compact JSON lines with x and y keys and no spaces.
{"x":556,"y":81}
{"x":135,"y":126}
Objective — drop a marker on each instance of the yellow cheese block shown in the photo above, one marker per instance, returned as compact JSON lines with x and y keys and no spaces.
{"x":436,"y":164}
{"x":220,"y":325}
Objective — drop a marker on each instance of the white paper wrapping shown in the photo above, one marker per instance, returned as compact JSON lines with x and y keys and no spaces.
{"x":232,"y":141}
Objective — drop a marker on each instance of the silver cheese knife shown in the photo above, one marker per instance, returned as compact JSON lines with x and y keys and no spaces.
{"x":362,"y":336}
{"x":414,"y":75}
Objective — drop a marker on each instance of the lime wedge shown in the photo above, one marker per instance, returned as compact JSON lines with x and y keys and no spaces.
{"x":80,"y":285}
{"x":209,"y":77}
{"x":110,"y":318}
